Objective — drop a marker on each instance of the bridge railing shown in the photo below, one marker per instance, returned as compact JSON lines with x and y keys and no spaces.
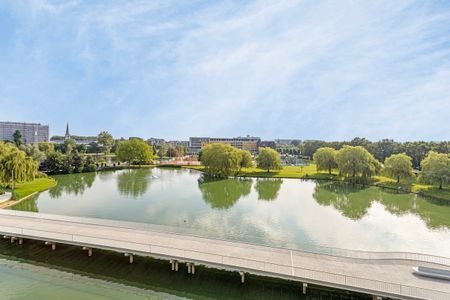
{"x":313,"y":249}
{"x":233,"y":262}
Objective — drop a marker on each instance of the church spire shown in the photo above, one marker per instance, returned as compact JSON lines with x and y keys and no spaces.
{"x":67,"y":135}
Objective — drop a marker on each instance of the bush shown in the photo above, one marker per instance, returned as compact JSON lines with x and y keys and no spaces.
{"x":90,"y":168}
{"x":41,"y":175}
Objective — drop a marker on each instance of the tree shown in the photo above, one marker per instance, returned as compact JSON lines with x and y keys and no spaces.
{"x":325,"y":159}
{"x":134,"y":151}
{"x":46,"y":147}
{"x":221,"y":160}
{"x":54,"y":162}
{"x":356,"y":161}
{"x":246,"y":159}
{"x":34,"y":152}
{"x":436,"y":169}
{"x":106,"y":141}
{"x":398,"y":166}
{"x":268,"y":159}
{"x":16,"y":166}
{"x":17,"y":138}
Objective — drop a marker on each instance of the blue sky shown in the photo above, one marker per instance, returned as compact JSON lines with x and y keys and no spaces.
{"x":328,"y":70}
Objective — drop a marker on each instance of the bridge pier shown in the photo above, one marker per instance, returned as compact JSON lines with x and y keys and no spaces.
{"x":174,"y":265}
{"x":190,"y":268}
{"x":304,"y":287}
{"x":89,"y":251}
{"x":130,"y":256}
{"x":242,"y":276}
{"x":52,"y":244}
{"x":375,"y":297}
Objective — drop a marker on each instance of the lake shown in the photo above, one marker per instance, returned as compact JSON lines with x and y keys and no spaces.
{"x":301,"y":214}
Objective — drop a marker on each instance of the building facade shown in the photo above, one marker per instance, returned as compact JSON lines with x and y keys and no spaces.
{"x":245,"y":143}
{"x":31,"y":132}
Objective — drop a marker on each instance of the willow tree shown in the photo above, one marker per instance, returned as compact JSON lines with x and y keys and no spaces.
{"x":325,"y":159}
{"x":436,"y":169}
{"x":398,"y":166}
{"x":15,"y":166}
{"x":356,"y":161}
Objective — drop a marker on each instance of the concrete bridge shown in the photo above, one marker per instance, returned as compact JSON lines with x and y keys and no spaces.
{"x":381,"y":274}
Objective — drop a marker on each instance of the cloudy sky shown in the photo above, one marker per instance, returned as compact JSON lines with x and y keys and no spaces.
{"x":291,"y":69}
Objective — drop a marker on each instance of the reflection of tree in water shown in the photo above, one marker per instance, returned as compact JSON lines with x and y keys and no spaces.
{"x":351,"y":200}
{"x":354,"y":202}
{"x":134,"y":182}
{"x":72,"y":184}
{"x":267,"y":189}
{"x":435,"y":213}
{"x":27,"y":205}
{"x":224,"y":193}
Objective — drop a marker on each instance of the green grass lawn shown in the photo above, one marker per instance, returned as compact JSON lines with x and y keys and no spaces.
{"x":37,"y":185}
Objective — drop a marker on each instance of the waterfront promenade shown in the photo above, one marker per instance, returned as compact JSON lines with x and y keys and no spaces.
{"x":374,"y":273}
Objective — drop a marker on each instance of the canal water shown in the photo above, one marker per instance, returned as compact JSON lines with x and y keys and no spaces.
{"x":291,"y":213}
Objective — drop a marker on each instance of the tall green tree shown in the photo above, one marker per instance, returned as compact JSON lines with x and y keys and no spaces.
{"x":436,"y":169}
{"x":134,"y":151}
{"x":106,"y":141}
{"x":17,"y":138}
{"x":246,"y":159}
{"x":221,"y":160}
{"x":268,"y":159}
{"x":356,"y":161}
{"x":17,"y":167}
{"x":398,"y":166}
{"x":325,"y":159}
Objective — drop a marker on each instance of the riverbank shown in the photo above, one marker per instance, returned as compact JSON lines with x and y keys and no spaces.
{"x":310,"y":172}
{"x":25,"y":190}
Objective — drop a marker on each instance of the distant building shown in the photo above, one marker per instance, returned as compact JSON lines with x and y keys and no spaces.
{"x":246,"y":143}
{"x":270,"y":144}
{"x":284,"y":141}
{"x":155,"y":141}
{"x":31,"y":132}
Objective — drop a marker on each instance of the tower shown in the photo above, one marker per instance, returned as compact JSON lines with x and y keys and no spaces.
{"x":67,"y":135}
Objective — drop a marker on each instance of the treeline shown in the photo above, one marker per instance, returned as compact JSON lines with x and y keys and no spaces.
{"x":358,"y":164}
{"x":381,"y":149}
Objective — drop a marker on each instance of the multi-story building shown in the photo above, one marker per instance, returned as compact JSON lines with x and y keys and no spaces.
{"x":246,"y":143}
{"x":31,"y":132}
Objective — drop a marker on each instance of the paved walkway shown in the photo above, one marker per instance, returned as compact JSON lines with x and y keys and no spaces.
{"x":5,"y":197}
{"x":383,"y":274}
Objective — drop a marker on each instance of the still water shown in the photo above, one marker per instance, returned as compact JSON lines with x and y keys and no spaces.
{"x":292,"y":213}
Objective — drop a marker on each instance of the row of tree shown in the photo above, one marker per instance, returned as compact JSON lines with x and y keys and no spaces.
{"x":356,"y":162}
{"x":381,"y":149}
{"x":223,"y":160}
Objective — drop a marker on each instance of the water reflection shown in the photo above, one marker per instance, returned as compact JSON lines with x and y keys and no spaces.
{"x":354,"y":201}
{"x":268,"y":189}
{"x":224,"y":193}
{"x":72,"y":184}
{"x":134,"y":182}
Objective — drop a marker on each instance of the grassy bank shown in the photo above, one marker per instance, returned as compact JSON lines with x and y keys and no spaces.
{"x":310,"y":172}
{"x":37,"y":185}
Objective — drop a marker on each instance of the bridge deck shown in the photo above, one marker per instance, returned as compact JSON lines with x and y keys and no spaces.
{"x":388,"y":275}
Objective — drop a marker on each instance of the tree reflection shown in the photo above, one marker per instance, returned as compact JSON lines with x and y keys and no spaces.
{"x":224,"y":193}
{"x":351,"y":200}
{"x":354,"y":201}
{"x":27,"y":205}
{"x":134,"y":182}
{"x":268,"y":189}
{"x":72,"y":184}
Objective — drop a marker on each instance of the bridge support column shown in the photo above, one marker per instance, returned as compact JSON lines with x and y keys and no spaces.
{"x":174,"y":265}
{"x":130,"y":256}
{"x":304,"y":287}
{"x":52,"y":244}
{"x":375,"y":297}
{"x":242,"y":276}
{"x":89,"y":251}
{"x":20,"y":241}
{"x":190,"y":268}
